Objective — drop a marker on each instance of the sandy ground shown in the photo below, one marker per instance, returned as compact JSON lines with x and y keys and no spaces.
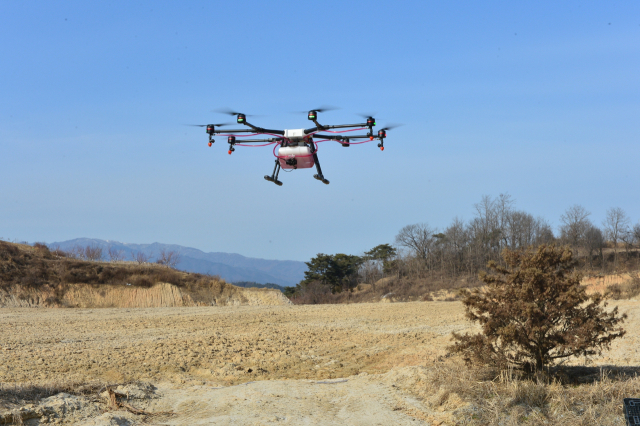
{"x":327,"y":364}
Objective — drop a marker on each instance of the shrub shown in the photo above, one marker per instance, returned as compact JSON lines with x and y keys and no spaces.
{"x":42,"y":247}
{"x":534,"y":312}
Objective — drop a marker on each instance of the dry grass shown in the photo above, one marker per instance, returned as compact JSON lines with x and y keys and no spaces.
{"x":403,"y":289}
{"x":24,"y":268}
{"x":570,"y":396}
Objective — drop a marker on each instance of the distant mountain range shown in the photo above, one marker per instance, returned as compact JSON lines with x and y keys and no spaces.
{"x":231,"y":267}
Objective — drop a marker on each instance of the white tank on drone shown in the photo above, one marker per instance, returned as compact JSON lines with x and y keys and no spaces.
{"x":298,"y":155}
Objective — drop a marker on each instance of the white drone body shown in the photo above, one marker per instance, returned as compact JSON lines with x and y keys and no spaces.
{"x":297,"y":148}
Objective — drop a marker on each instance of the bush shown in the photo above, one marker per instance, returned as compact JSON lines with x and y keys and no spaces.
{"x":534,"y":312}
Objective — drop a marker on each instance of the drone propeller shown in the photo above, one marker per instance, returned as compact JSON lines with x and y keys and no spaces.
{"x":229,"y":111}
{"x":323,"y":108}
{"x":205,"y":125}
{"x":392,"y":126}
{"x":364,"y":115}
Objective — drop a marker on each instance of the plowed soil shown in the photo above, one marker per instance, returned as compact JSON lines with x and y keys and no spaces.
{"x":226,"y":344}
{"x":215,"y":347}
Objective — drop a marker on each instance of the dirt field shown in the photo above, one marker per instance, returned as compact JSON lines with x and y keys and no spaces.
{"x":323,"y":364}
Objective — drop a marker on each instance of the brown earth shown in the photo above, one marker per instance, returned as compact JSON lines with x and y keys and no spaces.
{"x":322,"y":364}
{"x":163,"y":295}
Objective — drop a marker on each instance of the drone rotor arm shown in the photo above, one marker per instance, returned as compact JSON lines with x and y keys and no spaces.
{"x":259,"y":140}
{"x":335,"y":126}
{"x":337,"y":138}
{"x":262,"y":130}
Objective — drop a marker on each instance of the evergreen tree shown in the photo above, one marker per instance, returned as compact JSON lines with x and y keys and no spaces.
{"x":534,"y":312}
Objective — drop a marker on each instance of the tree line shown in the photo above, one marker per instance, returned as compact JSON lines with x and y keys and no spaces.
{"x":463,"y":249}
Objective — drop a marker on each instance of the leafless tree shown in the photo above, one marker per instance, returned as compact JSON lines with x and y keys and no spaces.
{"x":92,"y":252}
{"x":457,"y":239}
{"x":169,"y":258}
{"x":370,"y":270}
{"x":115,"y":255}
{"x":520,"y":230}
{"x":418,"y":238}
{"x":635,"y":232}
{"x":615,"y":225}
{"x":545,"y":233}
{"x":140,"y":257}
{"x":77,"y":252}
{"x":575,"y":222}
{"x":628,"y":239}
{"x":594,"y":242}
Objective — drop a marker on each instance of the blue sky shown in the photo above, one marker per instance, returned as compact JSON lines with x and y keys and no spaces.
{"x":536,"y":99}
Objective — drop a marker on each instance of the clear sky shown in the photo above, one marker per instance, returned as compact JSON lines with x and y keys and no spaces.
{"x":536,"y":99}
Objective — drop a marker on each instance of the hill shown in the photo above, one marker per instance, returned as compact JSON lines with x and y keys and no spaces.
{"x":38,"y":277}
{"x":232,"y":267}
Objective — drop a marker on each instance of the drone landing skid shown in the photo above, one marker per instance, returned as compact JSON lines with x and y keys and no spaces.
{"x":319,"y":175}
{"x":274,"y":176}
{"x":276,"y":171}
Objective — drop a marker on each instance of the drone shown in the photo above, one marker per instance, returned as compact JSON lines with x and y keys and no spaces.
{"x":296,"y":148}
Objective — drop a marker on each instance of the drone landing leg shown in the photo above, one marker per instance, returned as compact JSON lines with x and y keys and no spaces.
{"x":274,"y":176}
{"x":319,"y":175}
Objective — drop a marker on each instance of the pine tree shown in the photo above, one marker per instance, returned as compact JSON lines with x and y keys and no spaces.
{"x":534,"y":312}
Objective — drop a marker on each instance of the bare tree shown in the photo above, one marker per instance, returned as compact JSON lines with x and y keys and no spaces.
{"x":140,"y":258}
{"x":169,"y":258}
{"x":575,"y":223}
{"x":77,"y":252}
{"x":594,"y":242}
{"x":457,"y":237}
{"x":418,"y":238}
{"x":636,"y":234}
{"x":615,"y":225}
{"x":115,"y":255}
{"x":93,"y":252}
{"x":489,"y":227}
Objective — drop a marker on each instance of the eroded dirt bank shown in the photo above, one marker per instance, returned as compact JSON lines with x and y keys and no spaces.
{"x":160,"y":295}
{"x":202,"y":359}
